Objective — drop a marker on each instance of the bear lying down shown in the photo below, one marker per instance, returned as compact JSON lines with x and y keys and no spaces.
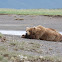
{"x":42,"y":33}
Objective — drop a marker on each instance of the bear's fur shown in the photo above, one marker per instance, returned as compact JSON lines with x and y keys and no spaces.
{"x":42,"y":33}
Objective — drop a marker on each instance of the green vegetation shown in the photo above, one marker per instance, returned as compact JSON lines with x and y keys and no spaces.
{"x":32,"y":11}
{"x":1,"y":35}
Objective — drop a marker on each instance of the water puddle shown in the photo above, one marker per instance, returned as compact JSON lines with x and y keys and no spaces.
{"x":12,"y":32}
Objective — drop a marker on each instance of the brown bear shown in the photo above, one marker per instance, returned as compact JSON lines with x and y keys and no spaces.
{"x":42,"y":33}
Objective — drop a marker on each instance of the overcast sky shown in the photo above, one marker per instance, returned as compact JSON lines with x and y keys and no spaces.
{"x":31,"y":4}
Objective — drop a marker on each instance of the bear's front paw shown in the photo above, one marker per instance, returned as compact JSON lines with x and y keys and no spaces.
{"x":23,"y":36}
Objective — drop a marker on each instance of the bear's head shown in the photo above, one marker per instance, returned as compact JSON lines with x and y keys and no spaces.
{"x":31,"y":30}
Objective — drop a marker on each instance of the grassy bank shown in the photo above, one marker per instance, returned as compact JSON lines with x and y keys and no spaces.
{"x":12,"y":51}
{"x":32,"y":11}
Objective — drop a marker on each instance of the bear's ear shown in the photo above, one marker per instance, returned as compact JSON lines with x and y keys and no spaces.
{"x":34,"y":27}
{"x":27,"y":27}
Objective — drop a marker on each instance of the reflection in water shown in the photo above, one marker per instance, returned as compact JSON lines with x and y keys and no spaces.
{"x":11,"y":32}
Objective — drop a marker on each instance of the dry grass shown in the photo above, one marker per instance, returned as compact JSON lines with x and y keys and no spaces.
{"x":10,"y":51}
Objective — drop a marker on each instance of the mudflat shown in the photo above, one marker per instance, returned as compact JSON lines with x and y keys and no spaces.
{"x":30,"y":47}
{"x":20,"y":22}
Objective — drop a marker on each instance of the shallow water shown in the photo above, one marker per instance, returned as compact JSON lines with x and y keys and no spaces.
{"x":12,"y":32}
{"x":60,"y":32}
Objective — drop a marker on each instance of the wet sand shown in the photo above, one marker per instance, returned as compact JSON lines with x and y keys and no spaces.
{"x":20,"y":22}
